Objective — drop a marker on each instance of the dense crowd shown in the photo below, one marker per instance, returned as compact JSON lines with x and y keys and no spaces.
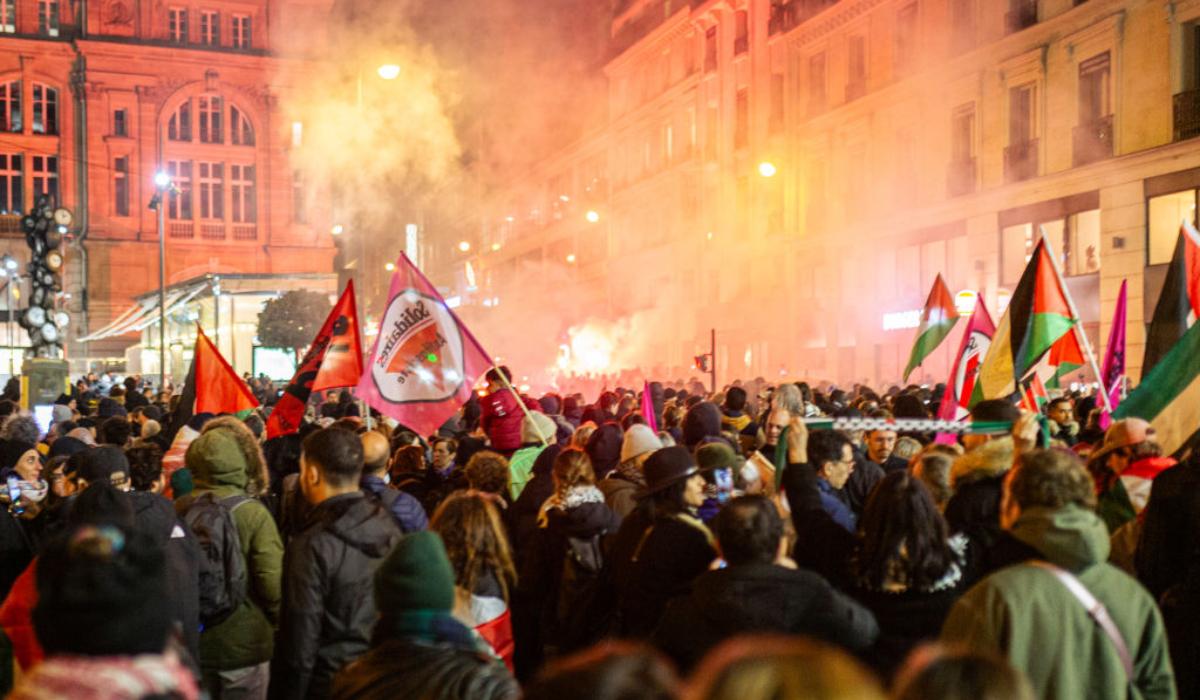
{"x":695,"y":544}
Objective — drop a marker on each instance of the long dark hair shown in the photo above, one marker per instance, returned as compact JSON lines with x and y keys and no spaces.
{"x":902,"y":537}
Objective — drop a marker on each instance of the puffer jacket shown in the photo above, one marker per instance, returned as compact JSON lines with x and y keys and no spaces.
{"x":501,"y":418}
{"x":1026,"y":615}
{"x":978,"y":479}
{"x":328,"y":604}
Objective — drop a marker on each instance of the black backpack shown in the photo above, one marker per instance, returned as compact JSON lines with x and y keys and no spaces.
{"x":222,"y":565}
{"x":585,"y":595}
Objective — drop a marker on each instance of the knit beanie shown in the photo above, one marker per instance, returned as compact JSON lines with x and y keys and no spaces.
{"x":100,"y":463}
{"x":181,"y":483}
{"x":11,"y":452}
{"x":604,"y":448}
{"x":415,"y":576}
{"x":701,"y":421}
{"x":716,"y":455}
{"x":536,"y":426}
{"x":639,"y":439}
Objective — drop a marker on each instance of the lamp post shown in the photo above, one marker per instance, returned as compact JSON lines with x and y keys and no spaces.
{"x":9,"y":270}
{"x":162,"y":185}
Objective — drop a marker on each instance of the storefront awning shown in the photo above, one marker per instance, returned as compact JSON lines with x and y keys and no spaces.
{"x":144,"y":313}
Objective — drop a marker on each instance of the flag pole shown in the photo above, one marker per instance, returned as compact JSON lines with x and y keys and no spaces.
{"x":1078,"y":326}
{"x":524,"y":409}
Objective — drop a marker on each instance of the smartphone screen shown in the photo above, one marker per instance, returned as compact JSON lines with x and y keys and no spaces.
{"x":724,"y":481}
{"x":14,"y":493}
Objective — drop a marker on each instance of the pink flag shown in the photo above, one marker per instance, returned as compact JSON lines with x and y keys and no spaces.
{"x":961,"y":387}
{"x":1113,"y":371}
{"x":424,"y":361}
{"x":648,"y":407}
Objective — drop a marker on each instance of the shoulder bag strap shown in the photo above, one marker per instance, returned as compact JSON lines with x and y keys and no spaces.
{"x":1095,"y":610}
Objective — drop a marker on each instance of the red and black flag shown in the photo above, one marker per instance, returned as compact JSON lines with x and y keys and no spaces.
{"x":1179,"y":302}
{"x":333,"y":360}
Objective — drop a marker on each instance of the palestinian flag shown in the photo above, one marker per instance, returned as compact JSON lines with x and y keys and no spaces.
{"x":937,"y":319}
{"x":1033,"y":393}
{"x":1169,"y":395}
{"x":1179,"y":302}
{"x":1065,"y":357}
{"x":1037,"y":316}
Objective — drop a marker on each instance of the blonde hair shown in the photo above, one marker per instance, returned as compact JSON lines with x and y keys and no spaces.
{"x":781,"y":668}
{"x":572,"y":467}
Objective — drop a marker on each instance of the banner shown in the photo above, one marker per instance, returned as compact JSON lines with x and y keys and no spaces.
{"x":333,"y":360}
{"x":424,"y":361}
{"x":963,"y":376}
{"x":1112,"y":372}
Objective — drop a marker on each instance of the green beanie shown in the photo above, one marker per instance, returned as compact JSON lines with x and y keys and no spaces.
{"x":715,"y":455}
{"x":415,"y":576}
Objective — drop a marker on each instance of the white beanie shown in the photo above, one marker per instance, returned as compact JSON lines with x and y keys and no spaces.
{"x":639,"y":440}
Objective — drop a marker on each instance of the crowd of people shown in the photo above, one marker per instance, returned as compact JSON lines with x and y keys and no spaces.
{"x":696,"y":544}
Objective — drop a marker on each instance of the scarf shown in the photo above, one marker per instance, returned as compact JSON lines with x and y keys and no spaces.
{"x":108,"y":678}
{"x":571,"y":498}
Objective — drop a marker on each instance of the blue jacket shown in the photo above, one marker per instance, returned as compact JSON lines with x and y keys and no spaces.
{"x":835,"y":506}
{"x":405,"y":508}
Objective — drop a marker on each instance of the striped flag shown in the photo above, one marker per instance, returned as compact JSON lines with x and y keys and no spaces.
{"x":1169,"y":396}
{"x":1179,"y":302}
{"x":937,"y":319}
{"x":963,"y":376}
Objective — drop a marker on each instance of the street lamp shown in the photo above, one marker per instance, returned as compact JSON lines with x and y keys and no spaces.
{"x":336,"y":230}
{"x":767,"y":169}
{"x":464,"y":246}
{"x":592,"y":216}
{"x":9,"y":270}
{"x":162,"y":185}
{"x":388,"y":71}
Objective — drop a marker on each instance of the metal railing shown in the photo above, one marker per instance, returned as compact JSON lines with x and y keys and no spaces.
{"x":1186,"y":115}
{"x":1023,"y":15}
{"x":1021,"y":160}
{"x":1092,"y":141}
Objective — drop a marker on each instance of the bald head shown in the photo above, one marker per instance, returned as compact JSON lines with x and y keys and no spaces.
{"x":375,"y":452}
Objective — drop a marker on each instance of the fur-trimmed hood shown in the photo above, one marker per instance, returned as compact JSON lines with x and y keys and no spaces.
{"x":990,"y":459}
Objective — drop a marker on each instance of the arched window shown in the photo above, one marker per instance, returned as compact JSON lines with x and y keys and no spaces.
{"x":241,"y":132}
{"x":10,"y":106}
{"x":207,"y":112}
{"x":179,"y":127}
{"x":45,"y":109}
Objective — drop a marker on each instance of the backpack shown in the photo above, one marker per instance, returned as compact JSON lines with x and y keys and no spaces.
{"x":585,"y":598}
{"x":222,"y":565}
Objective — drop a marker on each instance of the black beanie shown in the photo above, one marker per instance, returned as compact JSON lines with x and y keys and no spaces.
{"x":11,"y":452}
{"x":101,"y":504}
{"x":702,"y":420}
{"x":66,"y":446}
{"x":100,"y":463}
{"x":604,"y":448}
{"x":102,"y":591}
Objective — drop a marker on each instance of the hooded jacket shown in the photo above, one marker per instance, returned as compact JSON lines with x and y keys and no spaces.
{"x":760,"y":598}
{"x":501,"y":418}
{"x":328,"y":604}
{"x":1028,"y":616}
{"x":245,"y":638}
{"x":978,"y":479}
{"x":154,"y":515}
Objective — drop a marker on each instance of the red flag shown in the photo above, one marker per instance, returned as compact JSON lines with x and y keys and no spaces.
{"x":1033,"y":393}
{"x":333,"y":360}
{"x":961,"y":387}
{"x":218,"y":388}
{"x":424,"y":361}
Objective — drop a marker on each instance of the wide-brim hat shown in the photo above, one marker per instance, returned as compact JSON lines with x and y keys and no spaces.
{"x":1123,"y":433}
{"x":666,"y":467}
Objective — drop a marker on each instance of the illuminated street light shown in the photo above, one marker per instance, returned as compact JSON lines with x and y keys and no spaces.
{"x":389,"y":71}
{"x":592,"y":216}
{"x":766,"y":169}
{"x":464,"y":246}
{"x":495,"y":247}
{"x":389,"y":266}
{"x":10,"y":262}
{"x":162,"y":181}
{"x":336,"y":230}
{"x":571,"y":259}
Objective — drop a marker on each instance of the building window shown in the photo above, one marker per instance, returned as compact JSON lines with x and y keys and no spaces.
{"x":1016,"y":248}
{"x":710,"y":49}
{"x":775,"y":118}
{"x":1093,"y":135}
{"x":299,"y":198}
{"x":1020,"y":157}
{"x":1021,"y":14}
{"x":1167,"y":213}
{"x":962,"y":151}
{"x":212,"y":190}
{"x":711,"y":130}
{"x":210,"y":119}
{"x":962,"y":25}
{"x":8,"y":16}
{"x":241,"y":32}
{"x":241,"y":133}
{"x":45,"y":109}
{"x":906,"y":38}
{"x":816,"y":84}
{"x":1074,"y":237}
{"x":10,"y":107}
{"x":45,"y":177}
{"x":177,"y":25}
{"x":210,"y":28}
{"x":179,"y":202}
{"x":856,"y":67}
{"x":741,"y":40}
{"x":741,"y":123}
{"x":48,"y":17}
{"x":241,"y":191}
{"x":179,"y":128}
{"x":120,"y":123}
{"x":121,"y":186}
{"x":12,"y":184}
{"x":1186,"y":108}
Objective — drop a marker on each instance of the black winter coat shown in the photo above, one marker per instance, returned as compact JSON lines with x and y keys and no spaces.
{"x":328,"y":602}
{"x":821,"y":544}
{"x":672,"y":552}
{"x":523,"y":514}
{"x":974,"y":509}
{"x":156,"y":516}
{"x":760,"y":598}
{"x":403,"y":668}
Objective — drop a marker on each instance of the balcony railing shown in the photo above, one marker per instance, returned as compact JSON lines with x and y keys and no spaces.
{"x":960,"y":177}
{"x":1022,"y":16}
{"x":10,"y":224}
{"x":786,"y":15}
{"x":1021,"y":161}
{"x":245,"y":232}
{"x":1092,"y":141}
{"x":1187,"y":115}
{"x":181,"y":229}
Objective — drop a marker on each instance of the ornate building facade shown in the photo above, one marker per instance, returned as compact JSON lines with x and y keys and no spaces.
{"x":97,"y":97}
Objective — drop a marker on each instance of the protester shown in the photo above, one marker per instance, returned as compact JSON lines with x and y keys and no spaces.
{"x":1062,"y":424}
{"x":405,"y":509}
{"x":934,"y":671}
{"x":759,"y":591}
{"x":787,"y":668}
{"x":609,"y":671}
{"x":537,"y":432}
{"x":418,"y":648}
{"x":978,"y":476}
{"x":502,"y":414}
{"x":1048,"y":504}
{"x":621,"y":486}
{"x":830,"y":454}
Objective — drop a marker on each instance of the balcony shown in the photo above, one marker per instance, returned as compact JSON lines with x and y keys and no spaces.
{"x":1023,"y":15}
{"x":960,"y":177}
{"x":786,"y":15}
{"x":856,"y":88}
{"x":10,"y":224}
{"x":1021,"y":161}
{"x":1092,"y":141}
{"x":1187,"y":115}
